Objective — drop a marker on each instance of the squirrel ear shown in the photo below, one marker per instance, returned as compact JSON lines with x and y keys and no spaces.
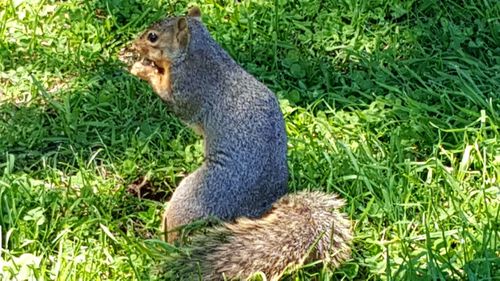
{"x":181,"y":24}
{"x":182,"y":33}
{"x":194,"y":12}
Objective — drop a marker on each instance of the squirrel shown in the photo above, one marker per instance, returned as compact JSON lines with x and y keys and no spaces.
{"x":244,"y":177}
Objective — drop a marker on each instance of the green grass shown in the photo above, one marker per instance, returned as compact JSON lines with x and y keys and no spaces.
{"x":393,"y":104}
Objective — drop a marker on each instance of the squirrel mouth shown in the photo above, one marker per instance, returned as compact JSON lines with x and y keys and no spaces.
{"x":148,"y":62}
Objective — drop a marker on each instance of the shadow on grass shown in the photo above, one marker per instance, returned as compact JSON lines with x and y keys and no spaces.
{"x":346,"y":78}
{"x":399,"y":89}
{"x":104,"y":117}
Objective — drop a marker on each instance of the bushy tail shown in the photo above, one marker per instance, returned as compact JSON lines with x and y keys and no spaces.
{"x":299,"y":228}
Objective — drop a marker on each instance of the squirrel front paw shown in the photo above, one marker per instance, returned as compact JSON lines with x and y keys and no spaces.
{"x":157,"y":77}
{"x":144,"y":71}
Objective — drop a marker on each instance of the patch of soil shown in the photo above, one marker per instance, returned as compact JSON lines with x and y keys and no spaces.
{"x":143,"y":188}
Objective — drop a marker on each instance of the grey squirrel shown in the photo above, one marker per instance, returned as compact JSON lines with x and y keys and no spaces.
{"x":243,"y":179}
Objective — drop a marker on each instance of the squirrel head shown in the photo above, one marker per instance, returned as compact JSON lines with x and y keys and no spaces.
{"x":166,"y":41}
{"x":171,"y":55}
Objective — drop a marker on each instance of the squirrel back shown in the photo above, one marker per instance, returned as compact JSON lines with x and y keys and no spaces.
{"x":245,"y":169}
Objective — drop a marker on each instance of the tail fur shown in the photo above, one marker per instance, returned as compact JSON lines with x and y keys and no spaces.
{"x":299,"y":228}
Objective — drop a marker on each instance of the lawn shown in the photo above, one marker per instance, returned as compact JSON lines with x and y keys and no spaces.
{"x":394,"y":104}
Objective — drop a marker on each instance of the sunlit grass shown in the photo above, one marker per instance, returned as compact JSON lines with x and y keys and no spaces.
{"x":392,"y":104}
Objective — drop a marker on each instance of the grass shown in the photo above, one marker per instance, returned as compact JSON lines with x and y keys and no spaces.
{"x":393,"y":104}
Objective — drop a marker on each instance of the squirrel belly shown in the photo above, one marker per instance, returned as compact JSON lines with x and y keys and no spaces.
{"x":299,"y":228}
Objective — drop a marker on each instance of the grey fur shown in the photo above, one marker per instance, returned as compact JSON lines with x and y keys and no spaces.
{"x":245,"y":168}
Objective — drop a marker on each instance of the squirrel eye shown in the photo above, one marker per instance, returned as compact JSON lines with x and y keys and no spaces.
{"x":152,"y":37}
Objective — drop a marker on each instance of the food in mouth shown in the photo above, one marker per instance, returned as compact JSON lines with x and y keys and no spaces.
{"x":127,"y":56}
{"x":148,"y":62}
{"x":130,"y":57}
